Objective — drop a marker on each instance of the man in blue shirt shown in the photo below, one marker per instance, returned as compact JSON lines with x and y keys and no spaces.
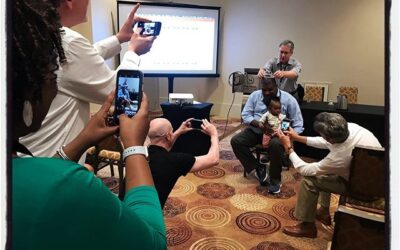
{"x":241,"y":143}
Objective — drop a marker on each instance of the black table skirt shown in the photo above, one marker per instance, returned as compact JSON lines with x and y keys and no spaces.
{"x":193,"y":142}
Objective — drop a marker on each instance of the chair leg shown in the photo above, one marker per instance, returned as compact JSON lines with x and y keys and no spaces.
{"x":112,"y":168}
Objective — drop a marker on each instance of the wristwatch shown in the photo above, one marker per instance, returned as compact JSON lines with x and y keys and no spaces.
{"x":135,"y":150}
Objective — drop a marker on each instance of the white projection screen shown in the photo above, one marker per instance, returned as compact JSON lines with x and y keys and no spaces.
{"x":188,"y":42}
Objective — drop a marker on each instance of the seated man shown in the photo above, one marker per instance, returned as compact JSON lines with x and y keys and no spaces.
{"x":166,"y":167}
{"x":327,"y":176}
{"x":241,"y":143}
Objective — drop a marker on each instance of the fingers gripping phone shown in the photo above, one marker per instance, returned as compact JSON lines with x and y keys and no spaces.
{"x":150,"y":28}
{"x":285,"y":124}
{"x":128,"y":93}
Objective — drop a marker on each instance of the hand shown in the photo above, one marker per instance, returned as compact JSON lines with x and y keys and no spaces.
{"x":291,"y":133}
{"x":134,"y":130}
{"x":261,"y":126}
{"x":185,"y":127}
{"x":208,"y":128}
{"x":124,"y":35}
{"x":140,"y":44}
{"x":97,"y":129}
{"x":279,"y":74}
{"x":285,"y":140}
{"x":261,"y":73}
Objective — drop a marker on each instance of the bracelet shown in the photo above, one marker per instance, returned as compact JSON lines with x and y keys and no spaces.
{"x":135,"y":150}
{"x":62,"y":154}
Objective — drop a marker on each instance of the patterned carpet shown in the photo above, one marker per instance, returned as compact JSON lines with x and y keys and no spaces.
{"x":218,"y":208}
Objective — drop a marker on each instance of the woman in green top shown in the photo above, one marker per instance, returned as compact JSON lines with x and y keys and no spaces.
{"x":56,"y":203}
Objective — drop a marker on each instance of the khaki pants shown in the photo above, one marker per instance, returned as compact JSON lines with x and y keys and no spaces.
{"x":311,"y":188}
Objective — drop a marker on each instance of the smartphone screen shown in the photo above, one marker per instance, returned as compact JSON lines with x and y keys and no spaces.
{"x":196,"y":123}
{"x":150,"y":28}
{"x":128,"y":93}
{"x":285,"y":125}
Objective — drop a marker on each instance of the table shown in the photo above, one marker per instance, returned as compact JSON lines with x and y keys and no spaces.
{"x":193,"y":142}
{"x":368,"y":116}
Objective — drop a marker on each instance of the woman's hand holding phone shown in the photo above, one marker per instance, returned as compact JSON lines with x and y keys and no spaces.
{"x":134,"y":130}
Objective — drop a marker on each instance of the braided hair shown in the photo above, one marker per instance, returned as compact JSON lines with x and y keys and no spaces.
{"x":36,"y":45}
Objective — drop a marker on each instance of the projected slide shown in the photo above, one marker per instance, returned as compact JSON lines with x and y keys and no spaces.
{"x":187,"y":43}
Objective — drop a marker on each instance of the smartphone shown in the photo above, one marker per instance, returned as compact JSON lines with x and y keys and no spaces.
{"x":285,"y":124}
{"x":128,"y":93}
{"x":150,"y":28}
{"x":196,"y":123}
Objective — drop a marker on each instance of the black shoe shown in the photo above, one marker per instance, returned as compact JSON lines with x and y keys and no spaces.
{"x":274,"y":187}
{"x":286,"y":162}
{"x":264,"y":159}
{"x":262,"y":175}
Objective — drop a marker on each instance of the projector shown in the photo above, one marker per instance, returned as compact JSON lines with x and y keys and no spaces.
{"x":181,"y":98}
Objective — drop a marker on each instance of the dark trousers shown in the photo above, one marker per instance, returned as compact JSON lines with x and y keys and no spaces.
{"x":241,"y":144}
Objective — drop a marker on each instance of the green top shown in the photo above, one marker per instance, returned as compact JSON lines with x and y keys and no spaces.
{"x":58,"y":204}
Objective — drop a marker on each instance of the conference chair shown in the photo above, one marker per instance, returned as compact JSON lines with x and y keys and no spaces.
{"x":314,"y":93}
{"x":360,"y":217}
{"x":350,"y":92}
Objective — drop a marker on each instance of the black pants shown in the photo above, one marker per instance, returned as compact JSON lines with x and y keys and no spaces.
{"x":241,"y":144}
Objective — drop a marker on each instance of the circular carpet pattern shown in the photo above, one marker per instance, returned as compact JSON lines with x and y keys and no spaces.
{"x":238,"y":181}
{"x":214,"y":190}
{"x":305,"y":243}
{"x":287,"y":177}
{"x":174,"y":206}
{"x":178,"y":234}
{"x":208,"y":216}
{"x":269,"y":245}
{"x":258,"y":223}
{"x":232,"y":166}
{"x":217,"y":243}
{"x":286,"y":192}
{"x":248,"y":202}
{"x":210,"y":173}
{"x":227,"y":155}
{"x":182,"y":187}
{"x":284,"y":211}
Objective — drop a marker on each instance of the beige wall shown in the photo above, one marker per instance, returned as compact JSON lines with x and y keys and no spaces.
{"x":86,"y":28}
{"x":339,"y":41}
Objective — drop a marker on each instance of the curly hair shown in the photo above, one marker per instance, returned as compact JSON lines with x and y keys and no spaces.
{"x":36,"y":45}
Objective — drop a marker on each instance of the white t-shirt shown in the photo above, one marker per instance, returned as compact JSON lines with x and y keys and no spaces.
{"x":339,"y":158}
{"x":83,"y":79}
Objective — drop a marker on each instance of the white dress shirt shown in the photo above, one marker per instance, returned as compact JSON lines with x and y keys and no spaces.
{"x":83,"y":79}
{"x":339,"y":158}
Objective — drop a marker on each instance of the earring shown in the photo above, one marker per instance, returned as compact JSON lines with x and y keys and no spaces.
{"x":27,"y":113}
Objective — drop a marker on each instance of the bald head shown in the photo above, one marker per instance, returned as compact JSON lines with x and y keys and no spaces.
{"x":159,"y":127}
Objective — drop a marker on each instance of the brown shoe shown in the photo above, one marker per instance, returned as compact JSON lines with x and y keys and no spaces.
{"x":323,"y":216}
{"x":303,"y":229}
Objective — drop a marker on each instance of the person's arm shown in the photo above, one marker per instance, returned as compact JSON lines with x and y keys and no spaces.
{"x":212,"y":157}
{"x":248,"y":110}
{"x":95,"y":131}
{"x":133,"y":133}
{"x":185,"y":127}
{"x":293,"y":73}
{"x":136,"y":221}
{"x":294,"y":113}
{"x":267,"y":69}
